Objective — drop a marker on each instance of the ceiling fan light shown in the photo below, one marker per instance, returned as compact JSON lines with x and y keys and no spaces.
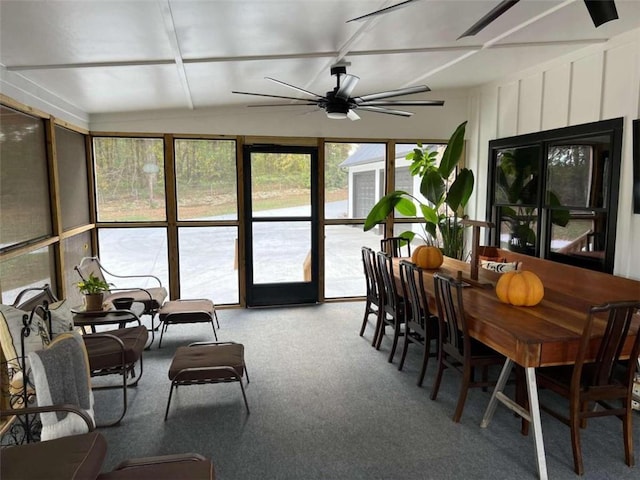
{"x":336,"y":115}
{"x":337,"y":111}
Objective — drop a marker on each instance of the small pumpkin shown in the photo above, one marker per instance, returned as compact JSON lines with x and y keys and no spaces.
{"x":426,"y":256}
{"x":520,"y":288}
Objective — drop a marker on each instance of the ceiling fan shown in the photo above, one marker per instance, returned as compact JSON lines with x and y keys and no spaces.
{"x":601,"y":11}
{"x":339,"y":104}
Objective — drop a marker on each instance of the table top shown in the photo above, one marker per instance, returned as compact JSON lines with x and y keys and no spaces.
{"x":544,"y":335}
{"x":82,"y":316}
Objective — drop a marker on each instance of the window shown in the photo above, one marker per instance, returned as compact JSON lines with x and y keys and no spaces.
{"x":206,"y":179}
{"x":129,"y":179}
{"x":555,"y":194}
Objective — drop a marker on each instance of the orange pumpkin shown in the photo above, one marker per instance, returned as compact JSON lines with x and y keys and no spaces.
{"x":520,"y":288}
{"x":428,"y":257}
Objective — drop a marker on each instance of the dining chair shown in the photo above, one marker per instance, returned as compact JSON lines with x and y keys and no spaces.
{"x":421,"y":326}
{"x":394,"y":246}
{"x":591,"y":386}
{"x":456,"y":349}
{"x":392,"y":307}
{"x":372,"y":303}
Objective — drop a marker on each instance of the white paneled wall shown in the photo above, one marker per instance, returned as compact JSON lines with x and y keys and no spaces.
{"x":598,"y":83}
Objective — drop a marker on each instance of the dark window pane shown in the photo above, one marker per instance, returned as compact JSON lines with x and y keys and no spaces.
{"x":518,"y":229}
{"x":24,"y":185}
{"x":578,"y":172}
{"x":517,"y":175}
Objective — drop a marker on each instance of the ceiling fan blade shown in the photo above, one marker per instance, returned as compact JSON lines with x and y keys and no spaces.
{"x":275,"y":96}
{"x":403,"y":103}
{"x":353,"y":116}
{"x":400,"y":113}
{"x":283,"y":104}
{"x":347,"y":84}
{"x":294,"y":87}
{"x":489,"y":17}
{"x":601,"y":11}
{"x":384,"y":10}
{"x":392,"y":93}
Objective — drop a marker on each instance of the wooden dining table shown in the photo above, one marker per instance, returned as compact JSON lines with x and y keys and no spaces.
{"x":544,"y":335}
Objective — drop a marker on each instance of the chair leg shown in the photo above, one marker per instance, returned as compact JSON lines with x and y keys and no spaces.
{"x":574,"y":424}
{"x":467,"y":374}
{"x":627,"y":431}
{"x":246,"y":404}
{"x":380,"y":330}
{"x":166,"y":412}
{"x":438,"y":379}
{"x":396,"y":338}
{"x":215,"y":335}
{"x":405,"y":348}
{"x":367,"y":312}
{"x":163,"y":328}
{"x":425,"y":361}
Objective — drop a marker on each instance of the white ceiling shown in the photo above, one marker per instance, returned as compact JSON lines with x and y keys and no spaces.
{"x":106,"y":56}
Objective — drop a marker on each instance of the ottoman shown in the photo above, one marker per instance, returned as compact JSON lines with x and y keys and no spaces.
{"x":201,"y":363}
{"x":187,"y":311}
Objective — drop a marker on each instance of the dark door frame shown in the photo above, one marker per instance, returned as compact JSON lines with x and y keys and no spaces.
{"x":283,"y":293}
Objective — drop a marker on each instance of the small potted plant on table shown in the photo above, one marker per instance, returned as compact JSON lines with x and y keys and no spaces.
{"x":93,"y":289}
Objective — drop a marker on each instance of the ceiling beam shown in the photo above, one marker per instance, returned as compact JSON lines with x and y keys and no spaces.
{"x":334,"y":55}
{"x":170,"y":28}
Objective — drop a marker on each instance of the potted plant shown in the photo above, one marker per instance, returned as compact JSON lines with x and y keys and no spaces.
{"x":93,"y":289}
{"x":445,"y":199}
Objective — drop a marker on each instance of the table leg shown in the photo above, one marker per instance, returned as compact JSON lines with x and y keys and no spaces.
{"x":533,"y":415}
{"x":499,"y":388}
{"x":536,"y":425}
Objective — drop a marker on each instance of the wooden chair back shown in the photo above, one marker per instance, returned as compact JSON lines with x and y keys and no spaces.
{"x":453,"y":327}
{"x":604,"y":370}
{"x":394,"y":246}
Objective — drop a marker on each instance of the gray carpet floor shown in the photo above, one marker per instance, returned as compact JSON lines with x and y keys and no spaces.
{"x":326,"y":405}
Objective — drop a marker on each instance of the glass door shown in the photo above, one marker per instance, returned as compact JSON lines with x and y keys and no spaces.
{"x":281,"y":225}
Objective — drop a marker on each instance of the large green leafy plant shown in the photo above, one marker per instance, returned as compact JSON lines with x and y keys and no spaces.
{"x":445,"y":199}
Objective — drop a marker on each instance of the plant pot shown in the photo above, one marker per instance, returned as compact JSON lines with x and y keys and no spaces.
{"x":93,"y":301}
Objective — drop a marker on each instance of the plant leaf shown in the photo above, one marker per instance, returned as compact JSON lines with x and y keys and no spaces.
{"x":460,"y":190}
{"x":382,"y":209}
{"x":453,"y":152}
{"x":429,"y":214}
{"x":406,"y":207}
{"x":433,"y":187}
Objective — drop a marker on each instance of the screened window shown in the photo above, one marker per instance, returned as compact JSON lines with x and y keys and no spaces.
{"x":206,"y":179}
{"x":129,"y":179}
{"x":25,"y":213}
{"x":72,"y":175}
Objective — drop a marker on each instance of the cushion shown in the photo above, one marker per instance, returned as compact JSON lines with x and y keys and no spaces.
{"x":207,"y":356}
{"x":74,"y":458}
{"x":61,"y":376}
{"x":11,"y":331}
{"x":499,"y":267}
{"x":61,"y":318}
